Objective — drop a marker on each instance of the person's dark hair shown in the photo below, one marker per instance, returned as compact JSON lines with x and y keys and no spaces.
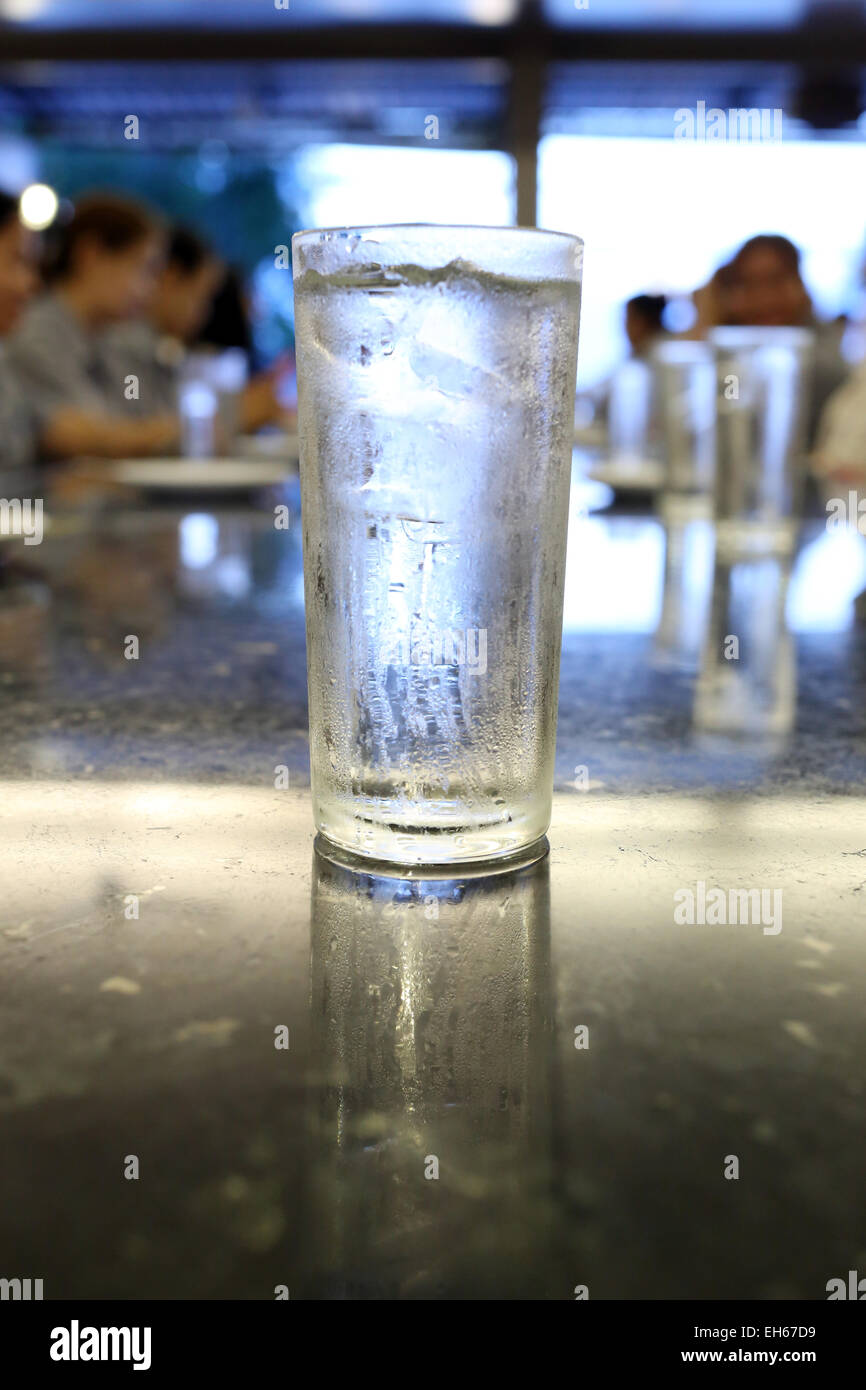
{"x":228,"y":323}
{"x":114,"y":221}
{"x":650,"y":307}
{"x":786,"y":251}
{"x":187,"y":250}
{"x":8,"y":208}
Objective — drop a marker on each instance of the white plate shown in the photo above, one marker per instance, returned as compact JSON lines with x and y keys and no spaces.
{"x":270,"y":446}
{"x":207,"y":475}
{"x":644,"y":477}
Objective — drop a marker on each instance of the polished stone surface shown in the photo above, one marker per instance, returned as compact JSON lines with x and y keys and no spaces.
{"x":427,"y":1021}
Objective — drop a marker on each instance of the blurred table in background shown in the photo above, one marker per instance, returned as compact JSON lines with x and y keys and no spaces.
{"x":163,"y":913}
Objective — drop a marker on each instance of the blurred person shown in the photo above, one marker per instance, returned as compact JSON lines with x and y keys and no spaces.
{"x":840,"y":449}
{"x":18,"y":281}
{"x":642,"y":321}
{"x":644,"y":325}
{"x":765,"y":287}
{"x":839,"y":458}
{"x":762,"y":287}
{"x":228,"y":326}
{"x":105,"y":270}
{"x":711,"y":302}
{"x":154,"y":347}
{"x":228,"y":322}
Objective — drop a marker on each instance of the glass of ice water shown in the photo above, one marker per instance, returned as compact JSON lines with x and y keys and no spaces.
{"x":436,"y":383}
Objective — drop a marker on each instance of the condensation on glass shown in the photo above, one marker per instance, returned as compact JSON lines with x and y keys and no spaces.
{"x":436,"y":381}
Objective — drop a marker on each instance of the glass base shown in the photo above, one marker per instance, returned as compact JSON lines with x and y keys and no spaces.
{"x":453,"y":869}
{"x":461,"y":829}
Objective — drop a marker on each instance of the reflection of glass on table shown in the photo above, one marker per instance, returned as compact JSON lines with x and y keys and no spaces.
{"x":747,"y":682}
{"x":688,"y":580}
{"x":432,"y":1029}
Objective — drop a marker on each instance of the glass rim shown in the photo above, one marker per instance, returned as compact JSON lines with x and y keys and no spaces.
{"x":352,"y":229}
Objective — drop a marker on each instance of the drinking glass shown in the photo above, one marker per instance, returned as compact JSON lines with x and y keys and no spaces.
{"x":199,"y":405}
{"x":436,"y":383}
{"x":685,"y":393}
{"x":631,"y":421}
{"x":229,"y":373}
{"x":686,"y":404}
{"x":762,"y":379}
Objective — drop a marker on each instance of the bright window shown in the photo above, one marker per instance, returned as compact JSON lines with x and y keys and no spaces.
{"x":661,"y":215}
{"x":377,"y":184}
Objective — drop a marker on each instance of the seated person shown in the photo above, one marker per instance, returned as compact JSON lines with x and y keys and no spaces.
{"x":840,"y":449}
{"x":153,"y":348}
{"x":839,"y":458}
{"x":623,"y":389}
{"x":643,"y":323}
{"x":762,"y":286}
{"x":104,"y":272}
{"x":17,"y":283}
